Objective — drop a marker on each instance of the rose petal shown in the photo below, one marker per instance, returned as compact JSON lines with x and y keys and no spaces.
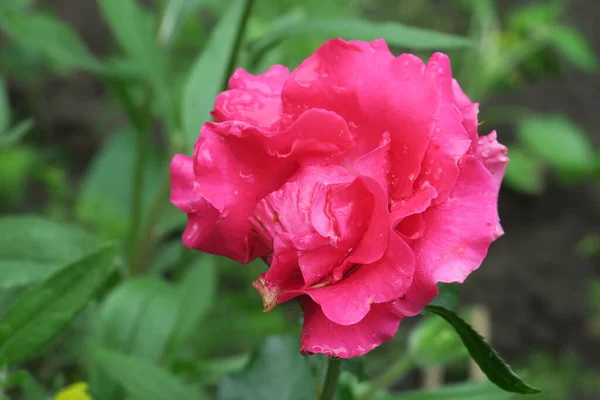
{"x":321,"y":335}
{"x":348,"y":301}
{"x":374,"y":93}
{"x":469,"y":111}
{"x":255,"y":99}
{"x":459,"y":231}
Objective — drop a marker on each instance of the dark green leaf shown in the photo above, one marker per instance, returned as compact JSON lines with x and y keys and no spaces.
{"x":43,"y":312}
{"x":394,"y":33}
{"x":32,"y":248}
{"x":142,"y":378}
{"x":277,"y":372}
{"x":559,"y":142}
{"x":209,"y":72}
{"x":137,"y":318}
{"x":574,"y":47}
{"x":196,"y":288}
{"x":17,"y":132}
{"x":4,"y":108}
{"x":50,"y":38}
{"x":524,"y":172}
{"x":484,"y":355}
{"x":105,"y":195}
{"x":461,"y":391}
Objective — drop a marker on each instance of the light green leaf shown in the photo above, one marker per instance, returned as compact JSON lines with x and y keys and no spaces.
{"x":17,"y":132}
{"x":461,"y":391}
{"x":494,"y":367}
{"x":277,"y":372}
{"x":32,"y":248}
{"x":197,"y":288}
{"x":559,"y":142}
{"x":49,"y":37}
{"x":4,"y":108}
{"x":175,"y":11}
{"x":209,"y":72}
{"x":104,"y":199}
{"x":434,"y":343}
{"x":574,"y":47}
{"x":137,"y":318}
{"x":142,"y":378}
{"x":524,"y":172}
{"x":394,"y":33}
{"x":43,"y":312}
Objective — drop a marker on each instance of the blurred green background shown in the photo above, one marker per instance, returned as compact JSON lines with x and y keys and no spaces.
{"x":86,"y":84}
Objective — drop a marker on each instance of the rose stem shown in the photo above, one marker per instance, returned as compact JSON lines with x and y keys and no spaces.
{"x":331,"y":377}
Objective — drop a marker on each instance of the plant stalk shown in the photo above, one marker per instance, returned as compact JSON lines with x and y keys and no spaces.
{"x":396,"y":371}
{"x":332,"y":374}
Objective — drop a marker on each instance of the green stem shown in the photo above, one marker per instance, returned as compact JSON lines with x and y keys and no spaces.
{"x":238,"y":42}
{"x":398,"y":370}
{"x":332,"y":374}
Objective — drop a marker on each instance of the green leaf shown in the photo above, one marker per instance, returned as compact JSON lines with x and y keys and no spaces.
{"x":32,"y":248}
{"x":484,"y":355}
{"x":395,"y":34}
{"x":524,"y":172}
{"x":276,"y":372}
{"x":197,"y":287}
{"x":104,"y":201}
{"x":143,"y":379}
{"x":434,"y":343}
{"x":137,"y":318}
{"x":17,"y":132}
{"x":175,"y":11}
{"x":209,"y":72}
{"x":32,"y":389}
{"x":574,"y":47}
{"x":4,"y":108}
{"x":559,"y":142}
{"x":43,"y":312}
{"x":531,"y":17}
{"x":461,"y":391}
{"x":49,"y":37}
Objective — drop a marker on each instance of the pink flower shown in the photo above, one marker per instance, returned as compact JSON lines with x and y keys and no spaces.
{"x":359,"y":177}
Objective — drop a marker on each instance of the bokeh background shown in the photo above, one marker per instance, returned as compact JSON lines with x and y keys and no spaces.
{"x":534,"y":69}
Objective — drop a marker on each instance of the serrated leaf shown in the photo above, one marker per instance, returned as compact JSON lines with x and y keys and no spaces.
{"x":574,"y":47}
{"x":276,"y":372}
{"x":559,"y":142}
{"x":49,"y":37}
{"x":394,"y":33}
{"x":17,"y":132}
{"x":494,"y":367}
{"x":142,"y":378}
{"x":524,"y":172}
{"x":461,"y":391}
{"x":43,"y":312}
{"x":209,"y":72}
{"x":32,"y":248}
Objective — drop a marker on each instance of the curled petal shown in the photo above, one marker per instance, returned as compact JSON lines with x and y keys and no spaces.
{"x":321,"y":335}
{"x":255,"y":99}
{"x":469,"y":111}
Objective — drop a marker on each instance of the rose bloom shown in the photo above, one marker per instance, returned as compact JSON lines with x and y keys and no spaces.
{"x":359,"y":178}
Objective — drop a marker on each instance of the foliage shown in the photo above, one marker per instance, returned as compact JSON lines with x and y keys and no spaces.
{"x":142,"y":318}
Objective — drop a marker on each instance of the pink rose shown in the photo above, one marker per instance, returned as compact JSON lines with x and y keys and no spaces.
{"x":359,"y":177}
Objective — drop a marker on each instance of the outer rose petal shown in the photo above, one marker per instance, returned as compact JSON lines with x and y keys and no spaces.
{"x":375,"y":93}
{"x":255,"y":99}
{"x":450,"y":141}
{"x":459,"y":231}
{"x":348,"y":301}
{"x":320,"y":335}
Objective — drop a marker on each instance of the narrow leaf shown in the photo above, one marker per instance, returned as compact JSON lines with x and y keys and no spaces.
{"x":49,"y":37}
{"x":43,"y":312}
{"x":143,"y":379}
{"x":32,"y":248}
{"x":209,"y":72}
{"x":4,"y":108}
{"x":394,"y":33}
{"x":15,"y":133}
{"x":484,"y":355}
